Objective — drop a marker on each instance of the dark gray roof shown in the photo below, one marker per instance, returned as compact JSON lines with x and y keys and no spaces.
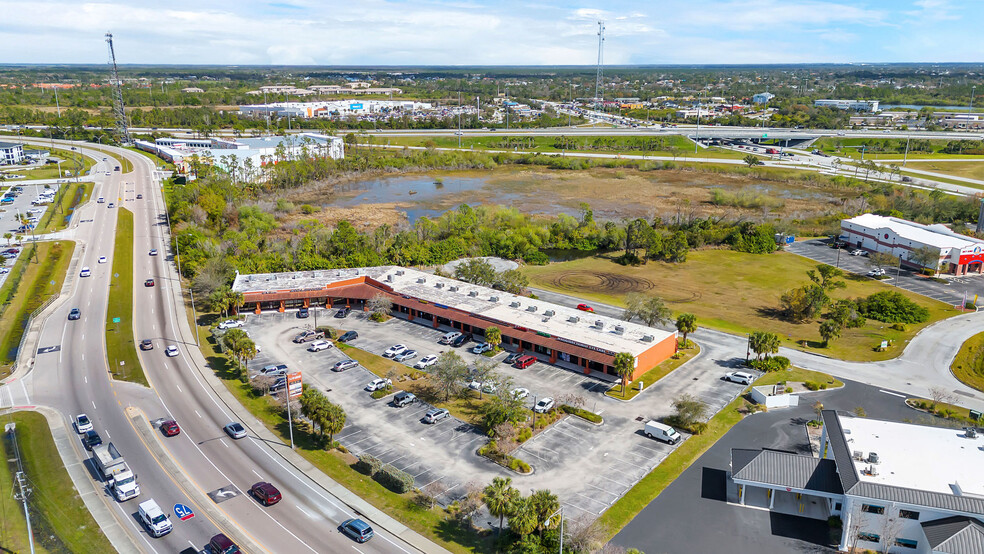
{"x":841,"y":451}
{"x":955,"y":535}
{"x":741,"y":456}
{"x":9,"y":144}
{"x":786,"y":469}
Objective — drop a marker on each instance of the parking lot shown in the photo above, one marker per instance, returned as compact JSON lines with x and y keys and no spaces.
{"x":589,"y":466}
{"x":9,"y":223}
{"x":951,"y":293}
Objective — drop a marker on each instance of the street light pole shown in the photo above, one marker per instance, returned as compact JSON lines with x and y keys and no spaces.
{"x":972,"y":89}
{"x":697,"y":136}
{"x":561,"y":512}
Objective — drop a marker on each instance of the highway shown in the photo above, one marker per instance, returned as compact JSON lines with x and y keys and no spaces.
{"x":74,"y":378}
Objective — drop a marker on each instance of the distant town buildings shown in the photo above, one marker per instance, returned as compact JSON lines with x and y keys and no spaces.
{"x":855,"y":105}
{"x":192,"y":90}
{"x":354,"y":88}
{"x":762,"y":98}
{"x":331,"y":108}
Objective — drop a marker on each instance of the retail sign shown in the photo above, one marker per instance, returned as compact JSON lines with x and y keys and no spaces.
{"x":587,"y":346}
{"x":355,"y":106}
{"x":294,"y":384}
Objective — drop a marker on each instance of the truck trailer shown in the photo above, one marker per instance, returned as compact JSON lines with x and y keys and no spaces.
{"x":115,"y":472}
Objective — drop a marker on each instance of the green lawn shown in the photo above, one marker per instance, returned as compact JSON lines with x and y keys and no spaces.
{"x":60,"y":520}
{"x":734,"y":292}
{"x":798,"y":375}
{"x":50,"y":171}
{"x":120,"y":344}
{"x":67,"y":198}
{"x":39,"y":282}
{"x":969,"y":170}
{"x":963,"y":366}
{"x":654,"y":374}
{"x":884,"y":148}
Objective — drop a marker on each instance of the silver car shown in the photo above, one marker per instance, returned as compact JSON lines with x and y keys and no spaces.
{"x":235,"y":430}
{"x":435,"y":415}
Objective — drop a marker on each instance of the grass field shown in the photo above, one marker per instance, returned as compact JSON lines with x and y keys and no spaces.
{"x":969,"y":170}
{"x":887,"y":148}
{"x":60,"y":520}
{"x":69,"y":197}
{"x":40,"y":282}
{"x":734,"y":292}
{"x":963,"y":366}
{"x":120,"y":344}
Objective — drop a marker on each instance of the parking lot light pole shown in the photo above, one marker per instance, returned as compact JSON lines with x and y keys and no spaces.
{"x":534,"y":414}
{"x":561,"y":512}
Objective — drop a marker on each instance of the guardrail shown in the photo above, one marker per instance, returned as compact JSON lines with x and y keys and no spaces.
{"x":27,"y":330}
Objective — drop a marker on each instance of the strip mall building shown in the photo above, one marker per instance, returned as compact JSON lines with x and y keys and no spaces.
{"x":556,"y":334}
{"x":900,"y":238}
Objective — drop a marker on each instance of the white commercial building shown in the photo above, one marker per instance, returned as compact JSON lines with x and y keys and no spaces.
{"x":897,"y":487}
{"x":762,"y":98}
{"x":11,"y":153}
{"x":901,"y":238}
{"x":856,"y":105}
{"x":332,"y":108}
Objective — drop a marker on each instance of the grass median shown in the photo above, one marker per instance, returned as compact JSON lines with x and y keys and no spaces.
{"x":68,"y":197}
{"x":60,"y":520}
{"x":28,"y":286}
{"x":121,"y":347}
{"x":968,"y":365}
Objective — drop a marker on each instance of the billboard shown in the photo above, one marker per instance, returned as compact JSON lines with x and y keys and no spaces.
{"x":294,"y":384}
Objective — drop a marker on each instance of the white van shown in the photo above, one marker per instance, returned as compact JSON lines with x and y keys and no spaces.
{"x":154,"y":518}
{"x":446,"y":339}
{"x":100,"y":200}
{"x":662,"y":432}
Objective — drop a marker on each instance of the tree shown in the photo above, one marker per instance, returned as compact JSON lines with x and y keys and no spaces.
{"x":334,"y":421}
{"x":523,"y":518}
{"x":477,"y":271}
{"x":927,"y":257}
{"x":752,"y":160}
{"x":624,"y":364}
{"x":939,"y":395}
{"x":500,"y":498}
{"x":242,"y":348}
{"x":512,"y":281}
{"x":881,"y":260}
{"x":689,"y":409}
{"x":449,"y":372}
{"x":493,"y":336}
{"x":829,"y":330}
{"x":686,"y":324}
{"x":8,"y":236}
{"x":650,"y":309}
{"x":544,"y":504}
{"x":314,"y":405}
{"x":484,"y":373}
{"x":380,"y":305}
{"x":763,"y":343}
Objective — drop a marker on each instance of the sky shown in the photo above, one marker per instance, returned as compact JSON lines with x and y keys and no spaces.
{"x":480,"y":32}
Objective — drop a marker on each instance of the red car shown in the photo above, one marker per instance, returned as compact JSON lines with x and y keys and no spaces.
{"x":149,"y":283}
{"x":265,"y":493}
{"x":170,"y":428}
{"x":585,"y":308}
{"x":525,"y":362}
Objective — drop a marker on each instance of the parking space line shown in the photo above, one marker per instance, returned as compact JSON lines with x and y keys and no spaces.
{"x":603,"y":476}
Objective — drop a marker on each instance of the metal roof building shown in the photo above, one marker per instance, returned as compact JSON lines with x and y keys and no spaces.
{"x":901,"y":238}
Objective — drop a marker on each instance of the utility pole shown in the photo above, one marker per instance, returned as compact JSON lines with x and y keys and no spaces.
{"x":459,"y":119}
{"x":57,"y":107}
{"x":697,"y":136}
{"x":123,"y":133}
{"x":972,"y":90}
{"x":22,"y":484}
{"x":600,"y":74}
{"x":906,"y":155}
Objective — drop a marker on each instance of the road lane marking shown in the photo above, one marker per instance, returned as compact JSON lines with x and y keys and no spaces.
{"x":892,"y":393}
{"x":357,"y":550}
{"x":256,"y":474}
{"x":86,"y":379}
{"x":93,"y":404}
{"x":307,"y":513}
{"x":199,"y":415}
{"x":179,"y":388}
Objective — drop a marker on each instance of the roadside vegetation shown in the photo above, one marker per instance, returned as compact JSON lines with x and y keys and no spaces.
{"x":74,"y":165}
{"x":894,"y":148}
{"x":968,"y":365}
{"x":28,"y":286}
{"x":60,"y":520}
{"x":67,"y":199}
{"x":121,"y":347}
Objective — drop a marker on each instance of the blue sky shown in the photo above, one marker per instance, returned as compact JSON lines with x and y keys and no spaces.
{"x":470,"y":32}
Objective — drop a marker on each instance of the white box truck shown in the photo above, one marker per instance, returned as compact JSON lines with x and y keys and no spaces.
{"x":117,"y":474}
{"x":154,"y":518}
{"x":662,"y":432}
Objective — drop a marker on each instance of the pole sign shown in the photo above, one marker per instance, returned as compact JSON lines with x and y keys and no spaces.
{"x":116,"y":320}
{"x":182,"y":512}
{"x":294,"y":385}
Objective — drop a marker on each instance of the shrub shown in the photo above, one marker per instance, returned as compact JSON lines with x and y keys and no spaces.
{"x":519,"y":465}
{"x":899,"y":326}
{"x":789,"y":389}
{"x":394,"y":479}
{"x":308,"y":209}
{"x":812,"y":385}
{"x":328,"y":331}
{"x":769,"y":365}
{"x":380,"y":393}
{"x":524,"y":435}
{"x":892,"y":307}
{"x":581,"y":412}
{"x":926,"y":271}
{"x":629,"y":258}
{"x":368,"y":464}
{"x":698,"y":427}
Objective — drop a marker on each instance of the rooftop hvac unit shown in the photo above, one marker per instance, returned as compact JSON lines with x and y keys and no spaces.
{"x":647,"y":338}
{"x":473,"y":293}
{"x":400,"y":272}
{"x":531,"y":308}
{"x":600,"y":324}
{"x":493,"y":299}
{"x":549,"y":313}
{"x":872,"y":458}
{"x":389,"y":278}
{"x":453,"y":288}
{"x":573,"y":319}
{"x":422,"y":280}
{"x":857,"y":455}
{"x":513,"y":304}
{"x":872,"y":470}
{"x":439,"y":285}
{"x":619,"y":329}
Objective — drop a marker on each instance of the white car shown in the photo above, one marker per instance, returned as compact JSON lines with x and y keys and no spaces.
{"x":82,"y":424}
{"x":86,"y":272}
{"x":378,"y":384}
{"x":857,"y":252}
{"x":4,"y":270}
{"x":102,"y":259}
{"x":426,"y":362}
{"x":394,"y":350}
{"x":153,"y":251}
{"x":481,"y":348}
{"x":740,"y":377}
{"x":231,"y":324}
{"x":319,"y":345}
{"x":520,"y":393}
{"x":878,"y":272}
{"x":171,"y":351}
{"x":544,"y":405}
{"x":405,"y":355}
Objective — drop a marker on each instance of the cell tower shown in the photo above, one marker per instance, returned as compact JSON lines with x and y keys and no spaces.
{"x":599,"y":86}
{"x":122,"y":132}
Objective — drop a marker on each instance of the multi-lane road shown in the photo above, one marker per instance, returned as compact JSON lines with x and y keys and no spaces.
{"x":74,"y":378}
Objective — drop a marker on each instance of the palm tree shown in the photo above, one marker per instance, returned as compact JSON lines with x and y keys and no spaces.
{"x":8,"y":236}
{"x":334,"y":421}
{"x":500,"y":498}
{"x":544,"y":504}
{"x":624,"y":364}
{"x":493,"y":336}
{"x":686,"y":324}
{"x":523,"y":519}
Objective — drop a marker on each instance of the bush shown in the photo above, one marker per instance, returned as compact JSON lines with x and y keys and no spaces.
{"x":328,"y":331}
{"x":380,"y":393}
{"x":368,"y":464}
{"x":519,"y":465}
{"x":582,"y":413}
{"x":892,"y":307}
{"x":394,"y":479}
{"x":629,"y":258}
{"x":524,"y":435}
{"x":698,"y":427}
{"x":769,"y":365}
{"x":899,"y":326}
{"x":378,"y":317}
{"x":812,"y":385}
{"x":308,"y":209}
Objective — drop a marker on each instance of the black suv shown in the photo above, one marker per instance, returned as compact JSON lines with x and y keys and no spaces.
{"x":461,"y":340}
{"x":342,"y":312}
{"x":302,"y":313}
{"x":347,"y":336}
{"x":91,"y":439}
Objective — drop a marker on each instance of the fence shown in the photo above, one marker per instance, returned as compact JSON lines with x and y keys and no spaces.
{"x":27,"y":330}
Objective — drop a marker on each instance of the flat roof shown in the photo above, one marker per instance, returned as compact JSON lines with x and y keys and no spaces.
{"x":954,"y":467}
{"x":930,"y":235}
{"x":565,"y":324}
{"x":10,"y":144}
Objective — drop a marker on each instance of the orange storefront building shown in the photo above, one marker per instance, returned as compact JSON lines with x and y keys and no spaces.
{"x":555,"y":334}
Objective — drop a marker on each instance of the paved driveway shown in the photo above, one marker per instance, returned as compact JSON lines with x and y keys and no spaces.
{"x":951,"y":293}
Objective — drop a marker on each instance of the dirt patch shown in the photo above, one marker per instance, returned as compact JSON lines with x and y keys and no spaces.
{"x":366,"y":216}
{"x":610,"y":283}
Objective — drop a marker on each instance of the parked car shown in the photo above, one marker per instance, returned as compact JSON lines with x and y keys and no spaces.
{"x":221,"y":544}
{"x":235,"y":430}
{"x":481,"y":348}
{"x":511,"y":358}
{"x":405,"y":355}
{"x":661,"y":432}
{"x":342,"y":313}
{"x":524,"y":362}
{"x":435,"y":415}
{"x":149,"y":283}
{"x":520,"y":393}
{"x":231,"y":324}
{"x":82,"y":424}
{"x":426,"y":362}
{"x":146,"y":344}
{"x":448,"y":337}
{"x":877,"y":272}
{"x":273,"y":370}
{"x":308,"y":336}
{"x":171,"y":351}
{"x":403,"y":398}
{"x":278,"y":385}
{"x":377,"y":384}
{"x":585,"y":308}
{"x":319,"y":345}
{"x":344,"y":364}
{"x":394,"y":350}
{"x":303,"y":313}
{"x":740,"y":377}
{"x":170,"y":428}
{"x":91,"y":439}
{"x":544,"y":405}
{"x":357,"y":529}
{"x":74,"y":314}
{"x":462,"y":340}
{"x":266,"y":493}
{"x":347,"y":336}
{"x":858,"y":252}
